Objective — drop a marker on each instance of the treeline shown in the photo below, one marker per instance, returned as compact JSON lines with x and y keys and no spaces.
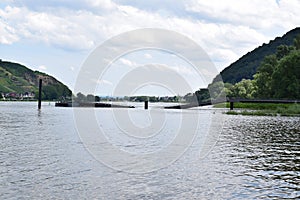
{"x":85,"y":98}
{"x":277,"y":77}
{"x":92,"y":98}
{"x":55,"y":92}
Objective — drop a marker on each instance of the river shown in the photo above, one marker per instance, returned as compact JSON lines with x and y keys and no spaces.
{"x":42,"y":156}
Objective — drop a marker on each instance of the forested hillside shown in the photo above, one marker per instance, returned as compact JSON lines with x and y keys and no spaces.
{"x":274,"y":74}
{"x":246,"y":66}
{"x":17,"y":81}
{"x":277,"y":77}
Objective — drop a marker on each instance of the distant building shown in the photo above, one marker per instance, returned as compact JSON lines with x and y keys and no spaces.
{"x":18,"y":96}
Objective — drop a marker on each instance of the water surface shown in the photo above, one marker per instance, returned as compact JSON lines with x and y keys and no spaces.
{"x":41,"y":156}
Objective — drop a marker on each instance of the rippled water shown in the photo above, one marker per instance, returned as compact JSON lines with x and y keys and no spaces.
{"x":42,"y":157}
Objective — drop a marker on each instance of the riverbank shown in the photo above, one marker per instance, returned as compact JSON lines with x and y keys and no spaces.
{"x":25,"y":100}
{"x":262,"y":109}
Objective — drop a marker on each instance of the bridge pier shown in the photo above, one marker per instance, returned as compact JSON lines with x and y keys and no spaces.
{"x":146,"y":105}
{"x":40,"y":95}
{"x":231,"y":105}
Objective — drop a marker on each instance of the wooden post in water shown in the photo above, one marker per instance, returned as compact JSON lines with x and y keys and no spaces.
{"x":40,"y":95}
{"x":231,"y":105}
{"x":146,"y":105}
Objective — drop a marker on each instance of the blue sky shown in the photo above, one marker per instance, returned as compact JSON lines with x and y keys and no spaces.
{"x":56,"y":36}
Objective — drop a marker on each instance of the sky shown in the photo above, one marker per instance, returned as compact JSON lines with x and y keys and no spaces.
{"x":57,"y":36}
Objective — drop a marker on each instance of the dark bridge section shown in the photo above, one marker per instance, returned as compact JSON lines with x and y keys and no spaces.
{"x":182,"y":106}
{"x":190,"y":105}
{"x":90,"y":104}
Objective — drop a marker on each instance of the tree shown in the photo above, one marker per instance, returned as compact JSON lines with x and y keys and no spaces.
{"x":90,"y":98}
{"x":285,"y":81}
{"x":297,"y":42}
{"x":217,"y":90}
{"x":153,"y":99}
{"x":202,"y":95}
{"x":50,"y":93}
{"x":283,"y":50}
{"x":190,"y":97}
{"x":228,"y":89}
{"x":97,"y":98}
{"x":244,"y":89}
{"x":80,"y":97}
{"x":263,"y":77}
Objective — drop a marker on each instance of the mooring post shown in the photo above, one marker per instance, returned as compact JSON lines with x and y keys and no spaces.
{"x":146,"y":105}
{"x":231,"y":105}
{"x":40,"y":95}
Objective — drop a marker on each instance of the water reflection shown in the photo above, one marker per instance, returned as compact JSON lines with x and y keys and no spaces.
{"x":39,"y":118}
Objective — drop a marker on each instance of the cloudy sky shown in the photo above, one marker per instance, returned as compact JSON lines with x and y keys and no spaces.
{"x":56,"y":36}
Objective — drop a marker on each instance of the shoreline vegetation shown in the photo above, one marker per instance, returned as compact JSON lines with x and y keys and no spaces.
{"x":265,"y":109}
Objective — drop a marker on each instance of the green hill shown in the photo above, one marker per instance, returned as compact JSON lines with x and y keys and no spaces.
{"x":18,"y":80}
{"x":246,"y":66}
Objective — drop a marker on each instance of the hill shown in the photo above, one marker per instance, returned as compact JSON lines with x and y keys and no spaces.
{"x":19,"y":81}
{"x":246,"y":66}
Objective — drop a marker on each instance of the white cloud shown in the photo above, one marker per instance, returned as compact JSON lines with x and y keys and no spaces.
{"x":256,"y":14}
{"x":42,"y":67}
{"x":7,"y":34}
{"x":127,"y":62}
{"x":56,"y":29}
{"x":225,"y":29}
{"x":147,"y":55}
{"x":102,"y":4}
{"x":104,"y":82}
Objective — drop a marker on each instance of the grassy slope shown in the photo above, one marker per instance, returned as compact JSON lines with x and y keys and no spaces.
{"x":20,"y":79}
{"x":12,"y":83}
